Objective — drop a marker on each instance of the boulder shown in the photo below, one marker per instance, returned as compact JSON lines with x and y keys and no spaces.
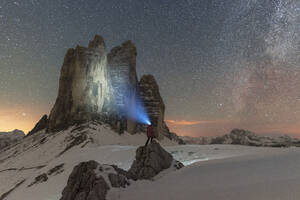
{"x":91,"y":181}
{"x":83,"y":86}
{"x":151,"y":160}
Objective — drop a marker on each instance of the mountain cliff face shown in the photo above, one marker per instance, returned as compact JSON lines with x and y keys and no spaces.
{"x":98,"y":86}
{"x":122,"y":71}
{"x":83,"y":86}
{"x":153,"y":102}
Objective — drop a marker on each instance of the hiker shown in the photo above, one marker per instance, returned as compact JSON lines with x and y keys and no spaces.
{"x":150,"y":134}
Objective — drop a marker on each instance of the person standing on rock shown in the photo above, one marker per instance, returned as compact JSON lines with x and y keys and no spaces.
{"x":150,"y":134}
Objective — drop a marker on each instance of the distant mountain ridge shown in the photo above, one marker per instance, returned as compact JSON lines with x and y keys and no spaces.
{"x":245,"y":137}
{"x":8,"y":138}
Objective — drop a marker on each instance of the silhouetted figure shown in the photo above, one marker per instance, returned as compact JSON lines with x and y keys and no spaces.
{"x":150,"y":134}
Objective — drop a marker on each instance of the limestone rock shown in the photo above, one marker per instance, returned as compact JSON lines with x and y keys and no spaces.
{"x":118,"y":180}
{"x":88,"y":181}
{"x":10,"y":138}
{"x":83,"y":184}
{"x":154,"y":104}
{"x":83,"y":86}
{"x":122,"y":71}
{"x":42,"y":124}
{"x":150,"y":161}
{"x":97,"y":42}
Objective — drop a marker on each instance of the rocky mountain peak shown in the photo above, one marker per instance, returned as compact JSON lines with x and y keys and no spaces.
{"x":153,"y":103}
{"x":94,"y":85}
{"x":97,"y":42}
{"x":42,"y":124}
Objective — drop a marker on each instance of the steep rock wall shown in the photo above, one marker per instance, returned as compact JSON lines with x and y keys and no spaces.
{"x":122,"y":71}
{"x":153,"y":103}
{"x":83,"y":86}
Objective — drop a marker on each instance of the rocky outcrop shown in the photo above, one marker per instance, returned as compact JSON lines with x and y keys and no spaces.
{"x":42,"y":124}
{"x":244,"y":137}
{"x":122,"y":71}
{"x":91,"y":181}
{"x":83,"y":86}
{"x":153,"y":103}
{"x":151,"y":160}
{"x":9,"y":138}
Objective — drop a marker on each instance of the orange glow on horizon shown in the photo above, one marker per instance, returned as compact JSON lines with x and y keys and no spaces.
{"x":22,"y":118}
{"x":187,"y":123}
{"x":196,"y":128}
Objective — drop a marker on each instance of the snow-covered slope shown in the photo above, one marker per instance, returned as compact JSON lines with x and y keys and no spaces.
{"x":38,"y":167}
{"x":272,"y":174}
{"x":53,"y":155}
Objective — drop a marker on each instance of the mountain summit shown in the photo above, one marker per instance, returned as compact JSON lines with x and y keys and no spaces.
{"x":101,"y":86}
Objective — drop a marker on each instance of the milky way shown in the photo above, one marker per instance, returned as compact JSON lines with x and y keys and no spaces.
{"x":219,"y":64}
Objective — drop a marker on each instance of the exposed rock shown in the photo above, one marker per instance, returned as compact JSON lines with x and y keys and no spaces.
{"x":154,"y":104}
{"x":42,"y":124}
{"x":83,"y":86}
{"x":88,"y":181}
{"x":97,"y":42}
{"x":39,"y":179}
{"x":56,"y":170}
{"x":122,"y":71}
{"x":9,"y":138}
{"x":75,"y":141}
{"x":83,"y":183}
{"x":151,"y":160}
{"x":118,"y":180}
{"x":92,"y":181}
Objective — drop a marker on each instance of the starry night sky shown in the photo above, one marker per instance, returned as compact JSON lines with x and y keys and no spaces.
{"x":220,"y":64}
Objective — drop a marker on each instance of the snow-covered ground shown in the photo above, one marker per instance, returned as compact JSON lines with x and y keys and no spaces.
{"x":265,"y":175}
{"x":226,"y":171}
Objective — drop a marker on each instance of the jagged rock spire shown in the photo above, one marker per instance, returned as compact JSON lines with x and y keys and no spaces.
{"x":97,"y":42}
{"x":153,"y":103}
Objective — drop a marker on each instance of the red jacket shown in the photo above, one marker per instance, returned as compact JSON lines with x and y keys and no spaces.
{"x":150,"y":132}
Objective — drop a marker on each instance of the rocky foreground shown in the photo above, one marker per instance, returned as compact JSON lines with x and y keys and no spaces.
{"x":91,"y":180}
{"x":40,"y":166}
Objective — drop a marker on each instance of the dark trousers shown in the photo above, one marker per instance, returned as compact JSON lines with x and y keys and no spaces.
{"x":149,"y":139}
